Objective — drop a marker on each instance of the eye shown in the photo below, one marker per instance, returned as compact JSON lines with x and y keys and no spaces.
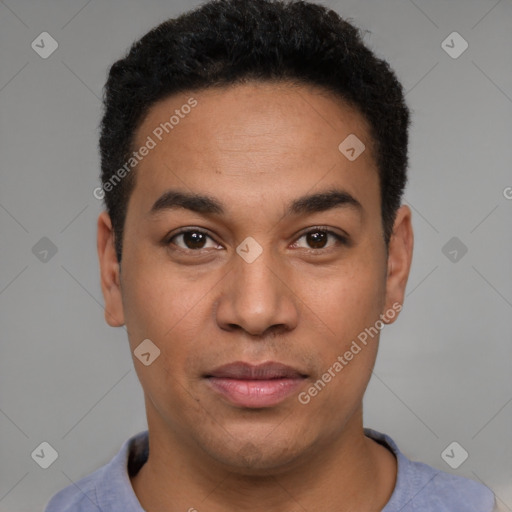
{"x":317,"y":238}
{"x":191,"y":239}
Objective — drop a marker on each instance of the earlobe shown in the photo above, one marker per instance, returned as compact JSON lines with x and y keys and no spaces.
{"x":109,"y":271}
{"x":399,"y":260}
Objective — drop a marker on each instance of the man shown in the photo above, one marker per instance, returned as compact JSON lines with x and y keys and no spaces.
{"x":254,"y":244}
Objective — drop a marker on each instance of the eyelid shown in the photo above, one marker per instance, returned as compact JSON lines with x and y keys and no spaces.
{"x":325,"y":229}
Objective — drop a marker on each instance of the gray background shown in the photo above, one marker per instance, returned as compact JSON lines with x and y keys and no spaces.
{"x":444,"y":369}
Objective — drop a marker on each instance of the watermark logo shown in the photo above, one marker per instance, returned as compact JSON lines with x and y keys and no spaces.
{"x":146,"y":352}
{"x":44,"y":45}
{"x":454,"y":455}
{"x":249,"y":249}
{"x":44,"y":455}
{"x":454,"y":249}
{"x":454,"y":45}
{"x":351,"y":147}
{"x":44,"y":250}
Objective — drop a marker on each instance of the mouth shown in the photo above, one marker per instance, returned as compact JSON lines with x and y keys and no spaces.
{"x":255,"y":386}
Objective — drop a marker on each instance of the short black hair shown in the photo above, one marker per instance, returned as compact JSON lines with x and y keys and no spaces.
{"x":227,"y":42}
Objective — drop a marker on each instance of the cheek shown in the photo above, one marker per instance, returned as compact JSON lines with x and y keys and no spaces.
{"x":159,"y":306}
{"x":349,"y":309}
{"x":170,"y":308}
{"x":347,"y":300}
{"x":157,"y":299}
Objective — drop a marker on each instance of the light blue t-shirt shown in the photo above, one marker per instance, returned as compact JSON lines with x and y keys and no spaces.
{"x":419,"y":487}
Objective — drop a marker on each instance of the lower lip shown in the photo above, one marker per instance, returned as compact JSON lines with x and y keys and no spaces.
{"x":255,"y":393}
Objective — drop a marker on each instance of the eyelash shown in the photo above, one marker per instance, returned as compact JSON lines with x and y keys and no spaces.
{"x":340,"y":240}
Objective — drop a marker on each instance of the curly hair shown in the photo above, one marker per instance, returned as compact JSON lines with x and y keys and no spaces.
{"x":226,"y":42}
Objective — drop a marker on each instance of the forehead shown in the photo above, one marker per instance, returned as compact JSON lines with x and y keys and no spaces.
{"x":256,"y":140}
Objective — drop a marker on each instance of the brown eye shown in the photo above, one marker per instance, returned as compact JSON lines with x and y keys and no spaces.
{"x":317,"y":239}
{"x":192,"y":239}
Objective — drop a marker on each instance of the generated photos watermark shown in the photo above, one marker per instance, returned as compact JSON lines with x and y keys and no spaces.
{"x":157,"y":135}
{"x":343,"y":360}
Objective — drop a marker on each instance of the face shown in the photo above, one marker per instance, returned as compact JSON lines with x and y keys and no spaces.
{"x":253,"y":293}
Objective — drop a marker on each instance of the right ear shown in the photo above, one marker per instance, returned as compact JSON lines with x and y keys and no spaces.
{"x":109,"y":269}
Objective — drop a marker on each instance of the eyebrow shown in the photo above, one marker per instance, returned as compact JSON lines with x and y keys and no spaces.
{"x":207,"y":205}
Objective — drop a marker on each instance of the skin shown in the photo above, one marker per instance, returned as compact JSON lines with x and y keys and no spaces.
{"x":255,"y":147}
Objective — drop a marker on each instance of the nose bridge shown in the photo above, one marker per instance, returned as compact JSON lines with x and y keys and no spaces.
{"x":256,"y":297}
{"x":254,"y":272}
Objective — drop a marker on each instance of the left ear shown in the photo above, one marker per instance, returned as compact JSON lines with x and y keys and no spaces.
{"x":399,"y":261}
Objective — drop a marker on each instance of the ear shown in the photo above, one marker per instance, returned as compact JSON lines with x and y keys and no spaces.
{"x":109,"y":268}
{"x":399,"y":262}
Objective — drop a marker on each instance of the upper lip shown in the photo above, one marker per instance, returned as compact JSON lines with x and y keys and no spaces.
{"x":264,"y":371}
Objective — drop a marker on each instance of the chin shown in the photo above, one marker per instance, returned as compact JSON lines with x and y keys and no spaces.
{"x":257,"y":457}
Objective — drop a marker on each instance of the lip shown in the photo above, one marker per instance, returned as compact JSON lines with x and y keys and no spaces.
{"x":255,"y":386}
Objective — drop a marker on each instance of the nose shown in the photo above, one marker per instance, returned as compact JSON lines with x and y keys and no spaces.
{"x":256,"y":297}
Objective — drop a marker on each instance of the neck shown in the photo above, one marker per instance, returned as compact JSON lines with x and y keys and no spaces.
{"x":351,"y":473}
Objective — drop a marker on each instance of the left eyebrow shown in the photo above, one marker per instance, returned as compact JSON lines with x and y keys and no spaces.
{"x":323,"y":201}
{"x":207,"y":205}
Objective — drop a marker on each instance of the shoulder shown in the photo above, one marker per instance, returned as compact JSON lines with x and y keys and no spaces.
{"x":107,"y":488}
{"x":78,"y":497}
{"x":422,"y":488}
{"x":433,"y":489}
